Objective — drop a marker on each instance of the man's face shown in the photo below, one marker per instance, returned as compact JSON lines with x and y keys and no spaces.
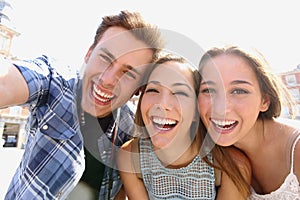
{"x":114,"y":69}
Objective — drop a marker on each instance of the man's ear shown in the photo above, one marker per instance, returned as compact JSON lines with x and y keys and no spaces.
{"x":265,"y":103}
{"x":139,"y":91}
{"x":88,"y":54}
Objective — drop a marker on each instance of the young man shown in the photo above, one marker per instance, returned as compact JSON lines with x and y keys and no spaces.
{"x":77,"y":123}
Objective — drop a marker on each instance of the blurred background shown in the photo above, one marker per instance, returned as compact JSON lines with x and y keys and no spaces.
{"x":65,"y":30}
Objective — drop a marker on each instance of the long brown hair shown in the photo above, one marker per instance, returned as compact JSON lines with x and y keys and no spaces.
{"x":270,"y":84}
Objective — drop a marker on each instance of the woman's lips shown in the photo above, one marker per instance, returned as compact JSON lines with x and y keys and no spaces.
{"x":223,"y":126}
{"x":163,"y":124}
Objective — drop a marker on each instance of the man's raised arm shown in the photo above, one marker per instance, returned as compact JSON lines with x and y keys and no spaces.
{"x":13,"y":87}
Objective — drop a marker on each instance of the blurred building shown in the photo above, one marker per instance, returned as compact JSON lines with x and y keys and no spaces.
{"x":12,"y":126}
{"x":7,"y":30}
{"x":12,"y":119}
{"x":292,"y":80}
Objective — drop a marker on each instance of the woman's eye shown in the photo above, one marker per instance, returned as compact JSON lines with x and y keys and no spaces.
{"x":151,"y":90}
{"x":208,"y":90}
{"x":240,"y":91}
{"x":181,"y":93}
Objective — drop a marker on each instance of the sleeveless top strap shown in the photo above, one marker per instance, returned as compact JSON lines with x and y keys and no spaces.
{"x":297,"y":137}
{"x":135,"y":149}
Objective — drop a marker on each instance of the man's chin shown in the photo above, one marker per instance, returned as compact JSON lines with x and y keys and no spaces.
{"x":99,"y":111}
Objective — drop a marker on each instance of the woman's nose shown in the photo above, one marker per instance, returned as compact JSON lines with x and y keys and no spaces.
{"x":221,"y":104}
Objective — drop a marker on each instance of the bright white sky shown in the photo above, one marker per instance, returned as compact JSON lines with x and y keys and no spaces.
{"x":65,"y":28}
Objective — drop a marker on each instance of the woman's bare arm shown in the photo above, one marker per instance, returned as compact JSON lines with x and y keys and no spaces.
{"x":133,"y":185}
{"x":228,"y":190}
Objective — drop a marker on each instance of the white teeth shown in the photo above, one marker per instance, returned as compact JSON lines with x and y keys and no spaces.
{"x":163,"y":121}
{"x":98,"y":93}
{"x":100,"y":99}
{"x":223,"y":122}
{"x":163,"y":129}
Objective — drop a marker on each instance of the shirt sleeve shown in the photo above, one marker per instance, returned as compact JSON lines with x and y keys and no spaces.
{"x":38,"y":74}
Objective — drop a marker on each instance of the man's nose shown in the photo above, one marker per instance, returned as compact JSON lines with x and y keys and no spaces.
{"x":109,"y":77}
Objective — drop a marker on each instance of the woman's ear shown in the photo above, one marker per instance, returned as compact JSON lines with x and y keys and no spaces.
{"x":265,"y":103}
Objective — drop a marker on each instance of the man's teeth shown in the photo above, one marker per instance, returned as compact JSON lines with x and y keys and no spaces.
{"x":101,"y":95}
{"x":223,"y":123}
{"x":99,"y":98}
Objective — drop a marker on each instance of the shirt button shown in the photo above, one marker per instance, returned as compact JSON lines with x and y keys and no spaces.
{"x":45,"y":127}
{"x":58,"y":194}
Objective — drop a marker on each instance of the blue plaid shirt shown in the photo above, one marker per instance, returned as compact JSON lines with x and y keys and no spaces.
{"x":53,"y":160}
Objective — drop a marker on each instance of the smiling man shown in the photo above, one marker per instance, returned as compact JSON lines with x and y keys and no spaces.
{"x":77,"y":122}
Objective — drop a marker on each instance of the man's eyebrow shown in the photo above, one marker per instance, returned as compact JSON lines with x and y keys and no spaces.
{"x":109,"y":54}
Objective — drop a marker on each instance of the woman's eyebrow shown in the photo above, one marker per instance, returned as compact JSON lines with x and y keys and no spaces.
{"x":240,"y":82}
{"x":174,"y":84}
{"x":232,"y":83}
{"x":207,"y":83}
{"x":183,"y":84}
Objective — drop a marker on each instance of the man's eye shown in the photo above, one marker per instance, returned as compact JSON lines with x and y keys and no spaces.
{"x":105,"y":58}
{"x":130,"y":74}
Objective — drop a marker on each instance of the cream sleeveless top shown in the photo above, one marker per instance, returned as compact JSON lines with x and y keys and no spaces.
{"x":289,"y":190}
{"x":195,"y":181}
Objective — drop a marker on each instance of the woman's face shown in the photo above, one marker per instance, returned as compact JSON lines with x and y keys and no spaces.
{"x":169,"y":104}
{"x":230,"y":99}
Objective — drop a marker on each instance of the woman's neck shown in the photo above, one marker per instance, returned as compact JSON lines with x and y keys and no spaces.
{"x":254,"y":139}
{"x":177,"y":156}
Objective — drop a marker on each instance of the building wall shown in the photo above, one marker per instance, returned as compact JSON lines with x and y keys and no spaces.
{"x":12,"y":126}
{"x":12,"y":119}
{"x":292,"y":80}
